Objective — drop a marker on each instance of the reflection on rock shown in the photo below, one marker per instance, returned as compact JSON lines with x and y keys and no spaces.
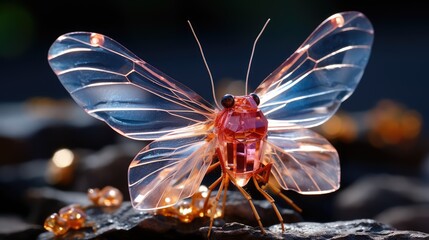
{"x":356,"y":229}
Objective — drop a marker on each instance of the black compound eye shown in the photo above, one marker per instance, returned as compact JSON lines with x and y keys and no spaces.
{"x":227,"y":101}
{"x":256,"y":98}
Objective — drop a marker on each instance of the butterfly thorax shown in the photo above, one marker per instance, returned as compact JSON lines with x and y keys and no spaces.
{"x":241,"y":131}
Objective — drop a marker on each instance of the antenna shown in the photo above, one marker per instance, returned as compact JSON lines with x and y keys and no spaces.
{"x":253,"y":51}
{"x":205,"y":62}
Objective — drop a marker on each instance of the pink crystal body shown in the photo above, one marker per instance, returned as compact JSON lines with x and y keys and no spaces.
{"x":241,"y":132}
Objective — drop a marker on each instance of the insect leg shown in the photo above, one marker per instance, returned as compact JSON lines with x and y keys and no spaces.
{"x":214,"y":185}
{"x":214,"y":207}
{"x":211,"y":187}
{"x":213,"y":166}
{"x":271,"y":200}
{"x":263,"y":173}
{"x":278,"y":192}
{"x":225,"y":192}
{"x":249,"y":199}
{"x":224,"y":173}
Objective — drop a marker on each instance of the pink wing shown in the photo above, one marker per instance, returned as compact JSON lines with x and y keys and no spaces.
{"x":303,"y":161}
{"x":170,"y":168}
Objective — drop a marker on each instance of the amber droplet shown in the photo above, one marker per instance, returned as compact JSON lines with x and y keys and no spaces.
{"x":185,"y":211}
{"x":106,"y":197}
{"x":93,"y":195}
{"x":198,"y":200}
{"x":110,"y":197}
{"x":56,"y":224}
{"x":74,"y":215}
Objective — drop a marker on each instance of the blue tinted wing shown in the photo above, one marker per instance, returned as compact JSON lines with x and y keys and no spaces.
{"x":310,"y":85}
{"x":114,"y":85}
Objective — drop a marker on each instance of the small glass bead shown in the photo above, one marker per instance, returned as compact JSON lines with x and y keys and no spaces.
{"x":94,"y":195}
{"x":167,"y":212}
{"x":109,"y":197}
{"x":56,"y":224}
{"x":186,"y":212}
{"x":198,"y":200}
{"x":74,"y":215}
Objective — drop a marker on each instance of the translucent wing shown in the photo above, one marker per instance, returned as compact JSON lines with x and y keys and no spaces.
{"x":170,"y":168}
{"x":303,"y":161}
{"x":309,"y":86}
{"x":114,"y":85}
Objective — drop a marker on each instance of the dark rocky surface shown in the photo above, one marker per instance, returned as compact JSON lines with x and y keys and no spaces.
{"x":355,"y":229}
{"x":399,"y":201}
{"x":126,"y":223}
{"x":159,"y":227}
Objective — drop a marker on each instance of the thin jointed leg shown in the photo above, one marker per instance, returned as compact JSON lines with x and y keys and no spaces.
{"x":225,"y":193}
{"x":289,"y":201}
{"x":211,"y":187}
{"x":213,"y":166}
{"x":271,"y":200}
{"x":249,"y":199}
{"x":214,"y":207}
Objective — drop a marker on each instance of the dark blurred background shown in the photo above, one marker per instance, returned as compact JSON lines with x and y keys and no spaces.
{"x":386,"y":119}
{"x":157,"y":32}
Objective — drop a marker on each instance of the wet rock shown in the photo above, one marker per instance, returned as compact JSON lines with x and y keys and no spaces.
{"x":355,"y":229}
{"x":101,"y":220}
{"x":125,"y":221}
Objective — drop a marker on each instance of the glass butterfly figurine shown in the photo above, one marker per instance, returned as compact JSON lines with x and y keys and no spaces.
{"x":262,"y":136}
